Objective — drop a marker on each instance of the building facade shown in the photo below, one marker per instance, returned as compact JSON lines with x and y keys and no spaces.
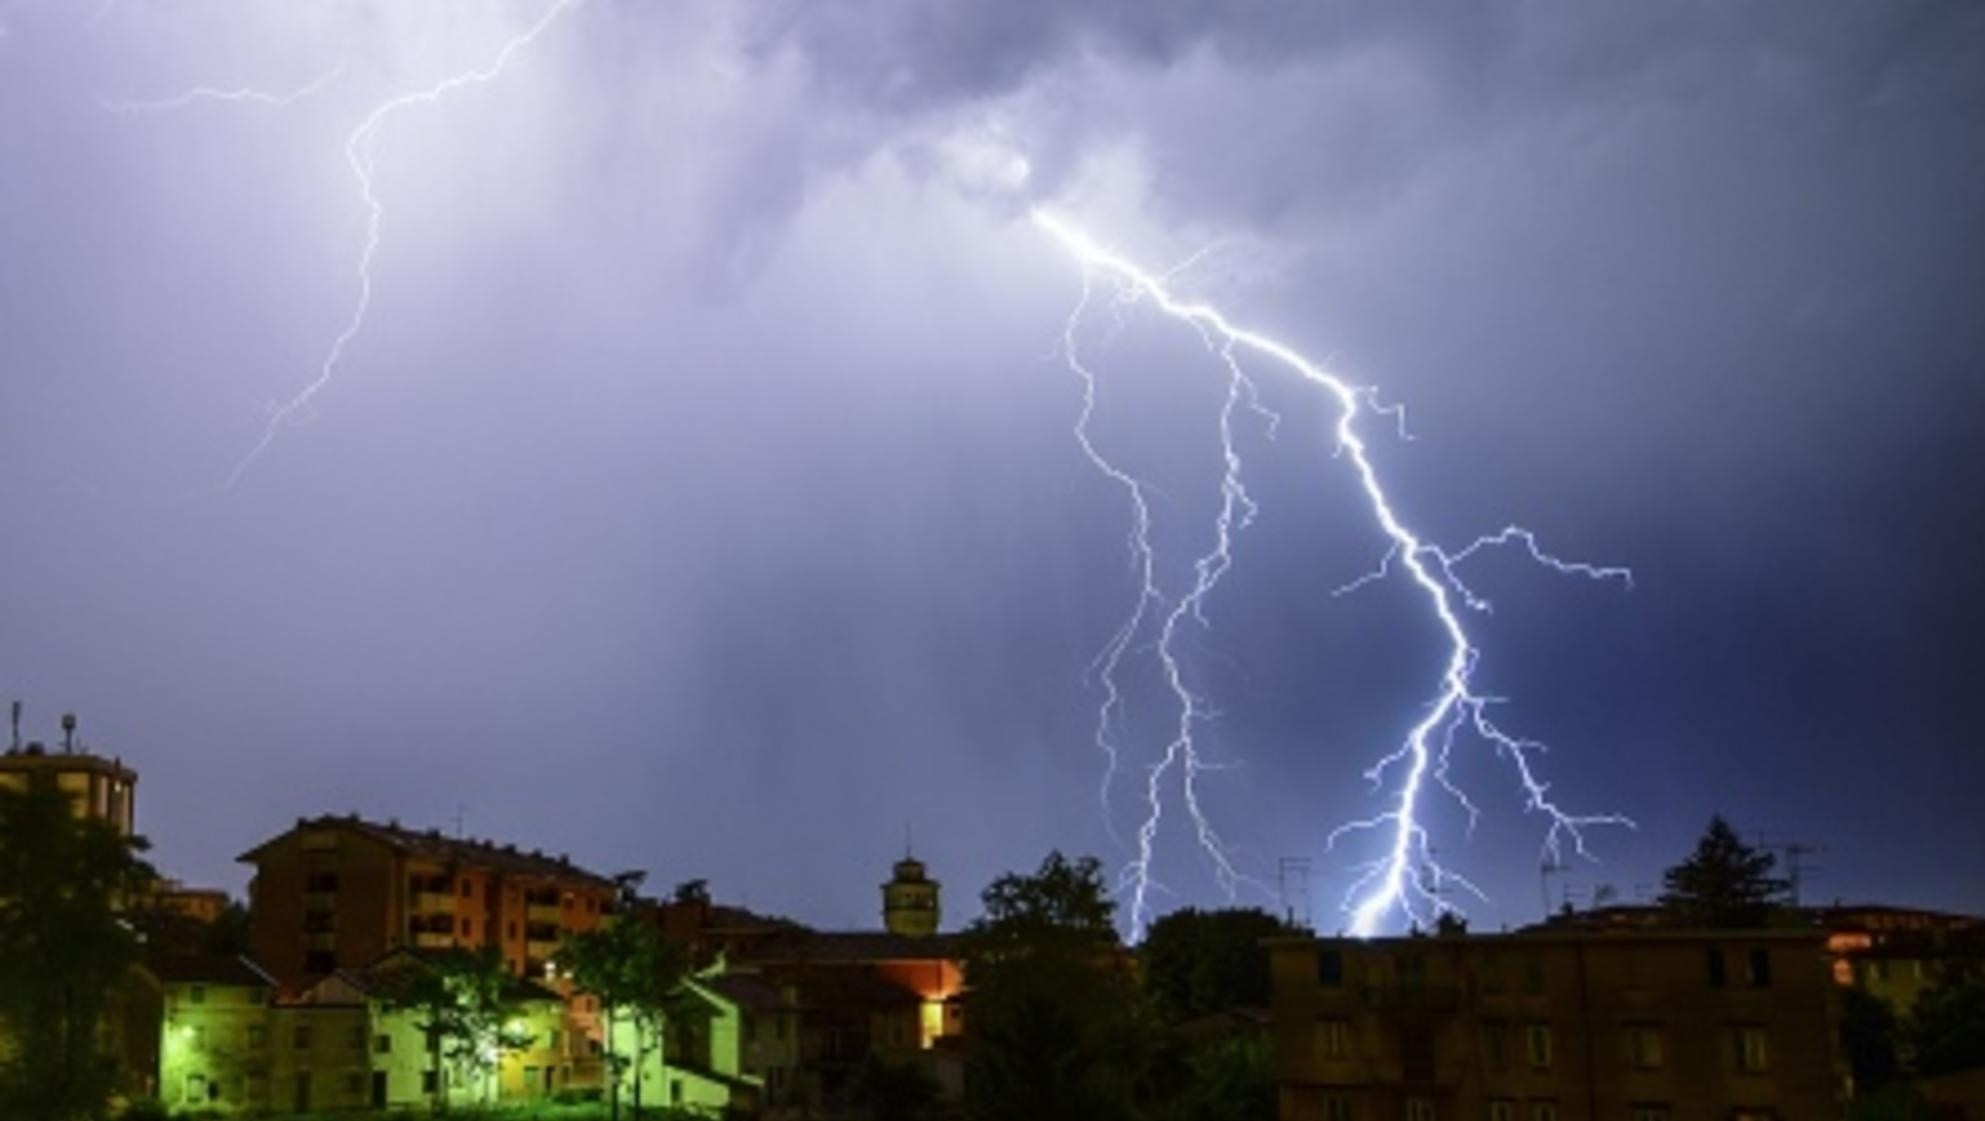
{"x":100,"y":788}
{"x":1637,"y":1025}
{"x":340,"y":892}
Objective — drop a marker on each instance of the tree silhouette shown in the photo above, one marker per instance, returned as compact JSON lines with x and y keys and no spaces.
{"x":63,"y":948}
{"x":635,"y":975}
{"x":1724,"y":883}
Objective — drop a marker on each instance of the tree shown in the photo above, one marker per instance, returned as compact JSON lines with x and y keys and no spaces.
{"x":634,"y":974}
{"x":63,"y":948}
{"x":1947,"y":1024}
{"x":1055,"y":1016}
{"x":895,"y":1091}
{"x":1724,"y":883}
{"x":1868,"y":1036}
{"x":467,"y":1002}
{"x":1196,"y":962}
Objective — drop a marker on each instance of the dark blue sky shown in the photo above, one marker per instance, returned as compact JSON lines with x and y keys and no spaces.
{"x":700,"y":494}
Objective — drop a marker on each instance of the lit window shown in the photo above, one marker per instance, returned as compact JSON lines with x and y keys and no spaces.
{"x":1419,"y":1109}
{"x":1502,"y":1111}
{"x":1337,"y":1109}
{"x":1537,"y":1044}
{"x":1543,"y":1111}
{"x":1333,"y":1039}
{"x":1751,"y":1050}
{"x":1495,"y":1043}
{"x":1644,"y":1046}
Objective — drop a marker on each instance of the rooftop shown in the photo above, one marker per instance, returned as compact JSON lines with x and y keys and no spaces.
{"x":435,"y":845}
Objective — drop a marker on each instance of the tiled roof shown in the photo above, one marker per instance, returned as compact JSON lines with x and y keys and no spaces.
{"x":436,"y":845}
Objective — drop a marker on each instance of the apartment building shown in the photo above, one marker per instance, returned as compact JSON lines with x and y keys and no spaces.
{"x":100,"y":788}
{"x":1633,"y":1025}
{"x":339,"y":892}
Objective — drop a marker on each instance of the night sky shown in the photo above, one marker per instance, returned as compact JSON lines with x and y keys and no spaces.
{"x":700,"y":494}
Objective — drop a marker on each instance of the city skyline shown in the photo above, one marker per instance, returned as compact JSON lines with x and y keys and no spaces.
{"x":700,"y":494}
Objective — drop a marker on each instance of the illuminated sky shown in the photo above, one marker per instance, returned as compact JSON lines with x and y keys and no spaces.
{"x":700,"y":495}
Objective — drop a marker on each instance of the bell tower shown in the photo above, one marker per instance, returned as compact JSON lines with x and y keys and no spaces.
{"x":909,"y":900}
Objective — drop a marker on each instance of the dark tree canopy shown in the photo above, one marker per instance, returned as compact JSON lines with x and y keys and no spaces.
{"x":1054,"y":1012}
{"x":63,"y":948}
{"x":1723,"y":883}
{"x":1947,"y":1024}
{"x":1196,"y":962}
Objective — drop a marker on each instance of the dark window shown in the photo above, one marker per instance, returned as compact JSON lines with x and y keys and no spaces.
{"x":427,"y":1081}
{"x":1759,"y":971}
{"x":1330,"y":968}
{"x":319,"y":961}
{"x":1715,"y":962}
{"x":1416,"y":1054}
{"x":197,"y":994}
{"x":320,"y":882}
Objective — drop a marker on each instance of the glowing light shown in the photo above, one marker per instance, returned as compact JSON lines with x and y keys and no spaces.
{"x":1406,"y":881}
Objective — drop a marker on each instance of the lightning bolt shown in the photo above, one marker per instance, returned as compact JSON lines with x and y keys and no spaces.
{"x":1406,"y":881}
{"x":239,"y":95}
{"x":359,"y":156}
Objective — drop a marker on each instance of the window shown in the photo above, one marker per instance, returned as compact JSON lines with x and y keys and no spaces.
{"x":1543,"y":1111}
{"x":196,"y":1088}
{"x":1714,"y":961}
{"x":382,"y":1044}
{"x":1330,"y":968}
{"x":1644,"y":1046}
{"x":1757,"y":969}
{"x":1537,"y":1045}
{"x":1495,"y":1043}
{"x":1333,"y":1039}
{"x":1743,"y":1114}
{"x":1419,"y":1109}
{"x":199,"y":1035}
{"x":1502,"y":1110}
{"x":428,"y":1081}
{"x":1337,"y":1109}
{"x":317,"y":883}
{"x":1751,"y":1050}
{"x":1533,"y":976}
{"x":462,"y":927}
{"x":1416,"y":1054}
{"x":299,"y":1037}
{"x":196,"y":994}
{"x":319,"y":962}
{"x":1650,"y":1113}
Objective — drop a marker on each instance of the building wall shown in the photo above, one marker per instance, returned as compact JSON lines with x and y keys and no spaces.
{"x":1572,"y":1027}
{"x":214,"y":1046}
{"x":99,"y":788}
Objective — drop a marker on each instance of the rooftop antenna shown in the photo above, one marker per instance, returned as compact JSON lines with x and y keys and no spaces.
{"x":17,"y":726}
{"x":1794,"y":854}
{"x":909,"y":848}
{"x":461,"y":820}
{"x":68,"y":732}
{"x":1292,"y":884}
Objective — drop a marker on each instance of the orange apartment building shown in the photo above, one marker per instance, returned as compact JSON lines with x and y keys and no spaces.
{"x":1633,"y":1025}
{"x":340,"y":892}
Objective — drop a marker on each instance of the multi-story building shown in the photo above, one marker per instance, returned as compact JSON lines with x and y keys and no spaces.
{"x":100,"y":788}
{"x":212,"y":1049}
{"x":1636,"y":1025}
{"x":340,"y":892}
{"x":1895,"y":953}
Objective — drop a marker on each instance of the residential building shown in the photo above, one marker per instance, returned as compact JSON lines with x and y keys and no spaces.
{"x":1552,"y":1025}
{"x":1895,"y":953}
{"x":340,"y":892}
{"x":212,"y":1034}
{"x":101,"y":788}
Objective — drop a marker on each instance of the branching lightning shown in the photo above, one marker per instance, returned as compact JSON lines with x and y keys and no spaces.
{"x":1406,"y":882}
{"x":359,"y":156}
{"x":214,"y":93}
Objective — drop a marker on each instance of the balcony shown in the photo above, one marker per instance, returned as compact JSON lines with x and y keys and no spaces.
{"x":425,"y":902}
{"x":433,"y":939}
{"x":542,"y":913}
